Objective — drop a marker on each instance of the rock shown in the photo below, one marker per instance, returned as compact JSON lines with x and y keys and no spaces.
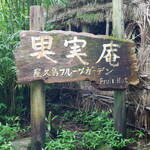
{"x":21,"y":144}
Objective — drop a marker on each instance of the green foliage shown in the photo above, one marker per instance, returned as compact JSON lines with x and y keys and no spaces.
{"x":83,"y":116}
{"x":98,"y":128}
{"x":56,"y":2}
{"x":66,"y":141}
{"x":102,"y":130}
{"x":8,"y":132}
{"x":67,"y":116}
{"x":14,"y":17}
{"x":140,"y":134}
{"x":8,"y":69}
{"x":136,"y":133}
{"x":6,"y":145}
{"x":49,"y":121}
{"x":11,"y":120}
{"x":88,"y":17}
{"x":8,"y":41}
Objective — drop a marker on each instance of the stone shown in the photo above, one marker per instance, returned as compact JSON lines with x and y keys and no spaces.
{"x":21,"y":144}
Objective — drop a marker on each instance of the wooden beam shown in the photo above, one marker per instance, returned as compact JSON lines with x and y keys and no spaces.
{"x":120,"y":112}
{"x":38,"y":126}
{"x":119,"y":96}
{"x":118,"y":19}
{"x":85,"y":28}
{"x":84,"y":84}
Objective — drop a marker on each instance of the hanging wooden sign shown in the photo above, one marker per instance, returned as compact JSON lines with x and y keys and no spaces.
{"x":65,"y":56}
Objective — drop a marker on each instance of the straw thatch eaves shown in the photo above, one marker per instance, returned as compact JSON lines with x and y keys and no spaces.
{"x":79,"y":12}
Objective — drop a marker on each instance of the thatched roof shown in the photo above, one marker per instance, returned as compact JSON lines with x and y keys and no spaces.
{"x":136,"y":10}
{"x":78,"y":12}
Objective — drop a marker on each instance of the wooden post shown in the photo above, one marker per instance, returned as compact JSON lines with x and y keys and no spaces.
{"x":119,"y":96}
{"x":38,"y":126}
{"x":85,"y":28}
{"x":118,"y":19}
{"x":107,"y":23}
{"x":84,"y":84}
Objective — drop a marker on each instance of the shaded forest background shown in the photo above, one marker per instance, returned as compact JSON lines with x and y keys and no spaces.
{"x":14,"y":17}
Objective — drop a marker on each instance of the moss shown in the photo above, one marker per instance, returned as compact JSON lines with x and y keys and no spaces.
{"x":120,"y":40}
{"x":88,"y":17}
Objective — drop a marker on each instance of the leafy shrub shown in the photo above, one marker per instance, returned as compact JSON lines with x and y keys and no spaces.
{"x":98,"y":130}
{"x":68,"y":115}
{"x":66,"y":141}
{"x":6,"y":146}
{"x":7,"y":134}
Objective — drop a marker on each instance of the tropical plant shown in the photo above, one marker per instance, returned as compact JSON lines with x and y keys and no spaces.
{"x":66,"y":141}
{"x":14,"y":17}
{"x":49,"y":123}
{"x":8,"y":132}
{"x":98,"y":130}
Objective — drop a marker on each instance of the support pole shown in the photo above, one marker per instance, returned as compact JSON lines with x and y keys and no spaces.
{"x":38,"y":126}
{"x":120,"y":112}
{"x":85,"y":28}
{"x":84,"y":84}
{"x":119,"y":96}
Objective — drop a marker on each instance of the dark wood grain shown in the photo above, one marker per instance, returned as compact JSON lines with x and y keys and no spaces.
{"x":37,"y":91}
{"x":103,"y":74}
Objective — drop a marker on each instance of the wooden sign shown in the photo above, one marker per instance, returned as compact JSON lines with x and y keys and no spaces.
{"x":65,"y":56}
